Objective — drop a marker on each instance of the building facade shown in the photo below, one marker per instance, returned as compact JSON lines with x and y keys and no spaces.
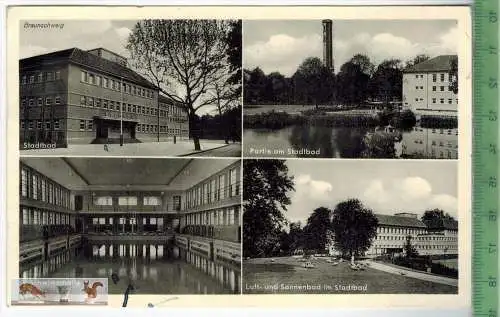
{"x":80,"y":97}
{"x":393,"y":232}
{"x":427,"y":88}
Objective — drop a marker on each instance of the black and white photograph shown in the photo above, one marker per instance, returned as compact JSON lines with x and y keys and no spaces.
{"x":148,"y":226}
{"x":391,"y":229}
{"x":130,"y":87}
{"x":342,"y":88}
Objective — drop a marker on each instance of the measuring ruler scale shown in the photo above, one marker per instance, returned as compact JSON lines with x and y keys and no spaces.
{"x":485,"y":264}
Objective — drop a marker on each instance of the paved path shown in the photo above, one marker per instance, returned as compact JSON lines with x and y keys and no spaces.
{"x":230,"y":150}
{"x":161,"y":149}
{"x":408,"y":273}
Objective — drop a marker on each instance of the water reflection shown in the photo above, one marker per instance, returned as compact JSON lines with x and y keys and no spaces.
{"x":347,"y":142}
{"x":153,"y":269}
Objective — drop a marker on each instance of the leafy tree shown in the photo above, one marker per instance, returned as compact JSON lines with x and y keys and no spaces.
{"x":434,"y":215}
{"x":454,"y":74}
{"x":185,"y":58}
{"x":351,"y":84}
{"x":315,"y":231}
{"x":404,"y":120}
{"x":254,"y":87}
{"x":313,"y":82}
{"x":379,"y":145}
{"x":295,"y":236}
{"x":364,"y":63}
{"x":409,"y":249}
{"x":354,"y":227}
{"x":387,"y":80}
{"x":265,"y":197}
{"x":417,"y":60}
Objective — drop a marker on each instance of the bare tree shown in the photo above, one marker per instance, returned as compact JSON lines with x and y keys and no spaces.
{"x":187,"y":59}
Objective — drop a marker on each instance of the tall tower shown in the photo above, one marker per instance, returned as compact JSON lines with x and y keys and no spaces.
{"x":328,"y":44}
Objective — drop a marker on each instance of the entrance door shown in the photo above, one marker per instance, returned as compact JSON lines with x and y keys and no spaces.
{"x":102,"y":130}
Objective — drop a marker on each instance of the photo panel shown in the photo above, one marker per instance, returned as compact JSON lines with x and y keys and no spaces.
{"x":150,"y":226}
{"x":392,"y":229}
{"x":130,"y":87}
{"x":351,"y":88}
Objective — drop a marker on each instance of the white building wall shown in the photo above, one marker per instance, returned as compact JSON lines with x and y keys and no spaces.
{"x":429,"y":94}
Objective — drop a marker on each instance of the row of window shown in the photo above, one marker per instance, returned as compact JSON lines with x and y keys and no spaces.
{"x":118,"y":85}
{"x":128,"y":221}
{"x":442,"y":77}
{"x":434,"y":88}
{"x":133,"y":201}
{"x":130,"y":108}
{"x":441,"y":100}
{"x":441,"y":131}
{"x":441,"y":143}
{"x":400,"y":230}
{"x":40,"y":125}
{"x":218,"y":217}
{"x":37,"y":186}
{"x":214,"y":189}
{"x":33,"y":216}
{"x":40,"y":77}
{"x":40,"y":101}
{"x":151,"y":128}
{"x":441,"y":238}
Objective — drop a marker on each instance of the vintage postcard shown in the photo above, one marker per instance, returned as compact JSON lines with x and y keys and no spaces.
{"x":239,"y":156}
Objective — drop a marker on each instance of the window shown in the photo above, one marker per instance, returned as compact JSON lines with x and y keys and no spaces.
{"x":57,"y":124}
{"x":441,"y":100}
{"x":84,"y":77}
{"x":416,"y":87}
{"x":40,"y":102}
{"x":98,"y":103}
{"x":105,"y":82}
{"x":50,"y":76}
{"x":151,"y":201}
{"x":92,"y":79}
{"x":83,"y":100}
{"x":98,"y":80}
{"x":82,"y":125}
{"x":221,"y":187}
{"x":39,"y":78}
{"x":433,"y":100}
{"x":47,"y":124}
{"x":127,"y":201}
{"x":30,"y":125}
{"x":24,"y":182}
{"x":104,"y":201}
{"x":442,"y":77}
{"x":39,"y":124}
{"x":90,"y":125}
{"x":31,"y":102}
{"x":434,"y":77}
{"x":57,"y":100}
{"x":232,"y":176}
{"x":90,"y":101}
{"x":105,"y":104}
{"x":416,"y":99}
{"x":23,"y":79}
{"x":58,"y":75}
{"x":48,"y":101}
{"x":441,"y":88}
{"x":449,"y":101}
{"x":177,"y":202}
{"x":32,"y":79}
{"x":23,"y":125}
{"x":34,"y":189}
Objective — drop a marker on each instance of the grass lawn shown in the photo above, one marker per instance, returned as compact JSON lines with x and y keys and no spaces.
{"x":287,"y":275}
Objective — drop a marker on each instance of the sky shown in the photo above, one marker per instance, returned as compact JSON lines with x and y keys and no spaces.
{"x":385,"y":186}
{"x":283,"y":45}
{"x":84,"y":34}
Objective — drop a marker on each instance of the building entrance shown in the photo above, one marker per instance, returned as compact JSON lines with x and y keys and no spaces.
{"x":109,"y":131}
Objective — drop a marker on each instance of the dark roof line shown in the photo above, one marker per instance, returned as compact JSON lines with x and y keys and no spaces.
{"x":441,"y":63}
{"x":86,"y":59}
{"x":399,"y":221}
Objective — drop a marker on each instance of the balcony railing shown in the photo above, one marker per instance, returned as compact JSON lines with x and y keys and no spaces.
{"x":229,"y":233}
{"x":38,"y":232}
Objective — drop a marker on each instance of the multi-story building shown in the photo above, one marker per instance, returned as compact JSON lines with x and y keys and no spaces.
{"x":79,"y":97}
{"x":151,"y":208}
{"x":393,"y":232}
{"x":427,"y":90}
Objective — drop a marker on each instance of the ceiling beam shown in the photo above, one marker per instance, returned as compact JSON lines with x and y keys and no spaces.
{"x":73,"y":168}
{"x":180,"y":171}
